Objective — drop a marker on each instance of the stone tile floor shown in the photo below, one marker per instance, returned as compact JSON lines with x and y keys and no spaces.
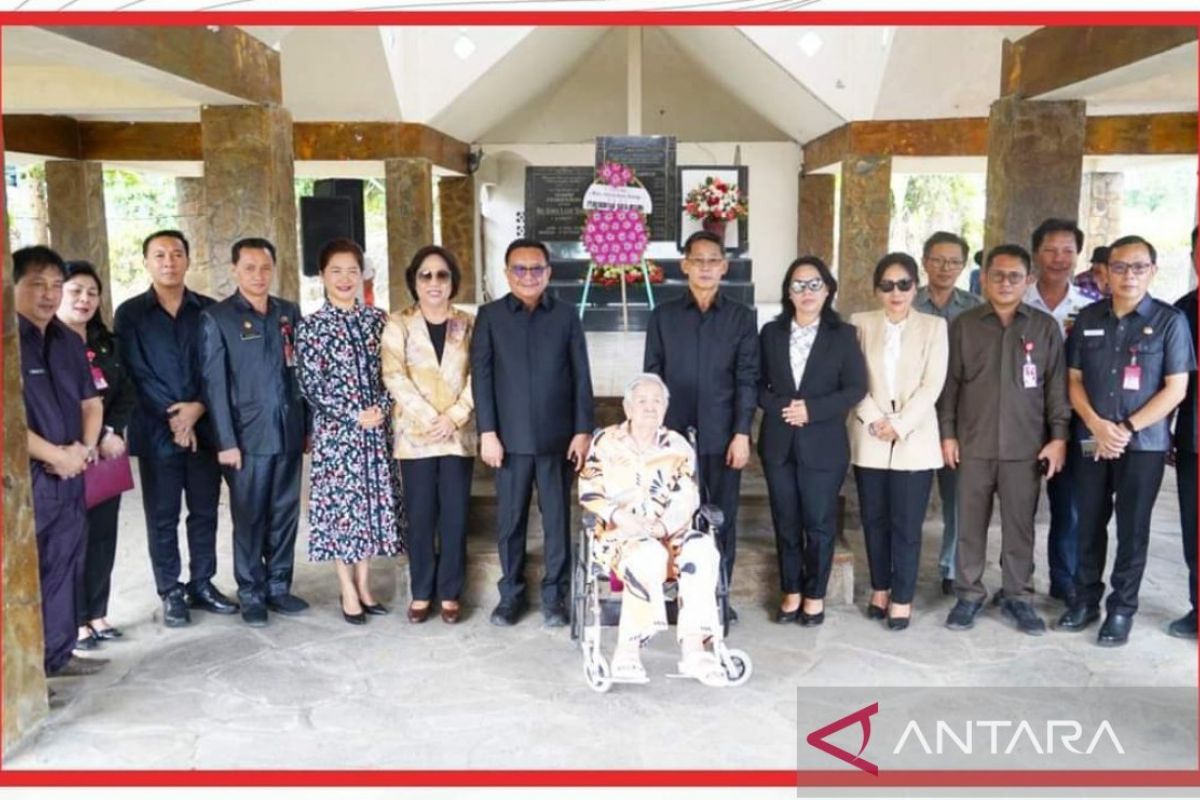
{"x":313,"y":692}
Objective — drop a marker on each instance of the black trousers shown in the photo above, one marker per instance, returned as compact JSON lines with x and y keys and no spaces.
{"x":60,"y":522}
{"x":1129,"y":485}
{"x":196,"y":477}
{"x":892,"y":504}
{"x":91,"y":599}
{"x":264,"y":500}
{"x":722,"y":487}
{"x":437,"y":492}
{"x":515,"y":479}
{"x":804,"y":513}
{"x":1185,"y":481}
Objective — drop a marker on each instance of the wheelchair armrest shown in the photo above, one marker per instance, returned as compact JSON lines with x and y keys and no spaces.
{"x":712,"y":515}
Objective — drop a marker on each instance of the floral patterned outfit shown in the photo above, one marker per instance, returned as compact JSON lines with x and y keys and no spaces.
{"x":658,"y":483}
{"x":354,"y":508}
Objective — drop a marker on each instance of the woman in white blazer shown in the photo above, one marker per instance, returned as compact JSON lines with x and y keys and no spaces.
{"x":894,"y":443}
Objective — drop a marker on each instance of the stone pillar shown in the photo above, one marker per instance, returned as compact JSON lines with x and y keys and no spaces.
{"x":192,"y":216}
{"x":1099,"y":211}
{"x":1034,"y":166}
{"x":78,"y":230}
{"x":408,"y":190}
{"x":24,"y":678}
{"x":866,"y":215}
{"x":456,"y":207}
{"x":249,"y":189}
{"x":814,"y":229}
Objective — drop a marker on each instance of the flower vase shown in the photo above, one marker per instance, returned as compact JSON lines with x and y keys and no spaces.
{"x":715,"y":226}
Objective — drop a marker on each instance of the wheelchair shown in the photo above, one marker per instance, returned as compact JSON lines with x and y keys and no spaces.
{"x":596,"y":605}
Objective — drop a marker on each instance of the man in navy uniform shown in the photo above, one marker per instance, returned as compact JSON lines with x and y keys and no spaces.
{"x":253,"y":396}
{"x":158,"y":335}
{"x":1129,"y":358}
{"x":533,"y":402}
{"x":65,"y":417}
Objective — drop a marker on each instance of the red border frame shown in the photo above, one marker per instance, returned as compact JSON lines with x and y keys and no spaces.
{"x":586,"y":778}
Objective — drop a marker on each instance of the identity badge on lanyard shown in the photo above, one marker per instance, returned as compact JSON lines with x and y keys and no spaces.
{"x":1029,"y":370}
{"x":97,"y":374}
{"x":289,"y":350}
{"x":1133,"y":373}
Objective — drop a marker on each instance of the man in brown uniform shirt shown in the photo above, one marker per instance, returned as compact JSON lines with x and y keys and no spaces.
{"x":1004,"y":420}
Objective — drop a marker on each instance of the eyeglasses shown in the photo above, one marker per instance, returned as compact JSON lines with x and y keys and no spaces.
{"x":441,"y":276}
{"x":713,"y":262}
{"x":812,"y":286}
{"x":524,"y":272}
{"x":1011,"y":278}
{"x":904,"y":284}
{"x":1139,"y":269}
{"x":937,"y":262}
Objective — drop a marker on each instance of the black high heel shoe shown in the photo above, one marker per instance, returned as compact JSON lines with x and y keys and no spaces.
{"x":354,"y":619}
{"x":377,"y":610}
{"x":875,"y":612}
{"x":812,"y":620}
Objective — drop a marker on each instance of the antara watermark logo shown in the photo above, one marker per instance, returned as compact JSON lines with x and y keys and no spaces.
{"x":981,"y":737}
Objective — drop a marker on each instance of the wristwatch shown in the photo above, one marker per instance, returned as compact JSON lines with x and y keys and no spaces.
{"x":1127,"y":425}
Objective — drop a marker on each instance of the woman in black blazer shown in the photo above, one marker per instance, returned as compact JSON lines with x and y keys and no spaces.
{"x":813,"y":374}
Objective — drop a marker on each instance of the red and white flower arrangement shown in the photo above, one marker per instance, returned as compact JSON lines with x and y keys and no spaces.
{"x":716,"y":199}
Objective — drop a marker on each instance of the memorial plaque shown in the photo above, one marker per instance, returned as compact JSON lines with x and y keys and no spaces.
{"x":554,"y":202}
{"x":652,"y":159}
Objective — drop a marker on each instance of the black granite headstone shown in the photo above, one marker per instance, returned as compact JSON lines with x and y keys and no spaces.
{"x":554,"y":202}
{"x":652,"y":159}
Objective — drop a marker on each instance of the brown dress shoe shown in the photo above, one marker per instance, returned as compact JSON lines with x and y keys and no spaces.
{"x":417,"y":615}
{"x":450,"y":614}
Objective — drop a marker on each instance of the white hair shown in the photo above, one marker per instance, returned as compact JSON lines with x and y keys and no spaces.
{"x":647,"y":377}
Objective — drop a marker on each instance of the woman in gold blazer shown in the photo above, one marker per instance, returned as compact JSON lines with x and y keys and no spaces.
{"x":894,"y":443}
{"x":426,"y":368}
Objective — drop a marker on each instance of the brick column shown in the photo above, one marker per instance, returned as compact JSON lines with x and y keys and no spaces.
{"x":456,"y":208}
{"x":866,"y":215}
{"x":78,"y":230}
{"x":814,"y":229}
{"x":192,"y":216}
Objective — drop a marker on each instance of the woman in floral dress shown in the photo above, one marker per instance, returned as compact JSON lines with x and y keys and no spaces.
{"x":354,"y":509}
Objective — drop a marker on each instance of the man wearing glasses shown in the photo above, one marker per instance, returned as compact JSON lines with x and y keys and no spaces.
{"x":1129,"y":358}
{"x":533,"y":405}
{"x":705,"y":348}
{"x":1003,"y":417}
{"x":943,"y":257}
{"x":1057,"y":244}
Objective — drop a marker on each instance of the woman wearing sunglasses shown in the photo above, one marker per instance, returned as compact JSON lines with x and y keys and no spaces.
{"x":426,"y":366}
{"x":812,"y":375}
{"x":894,"y":434}
{"x":354,"y":504}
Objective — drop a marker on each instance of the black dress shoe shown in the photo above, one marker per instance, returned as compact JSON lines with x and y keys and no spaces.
{"x":962,"y":616}
{"x":255,"y":615}
{"x":507,"y":613}
{"x":377,"y":610}
{"x":1115,"y":630}
{"x":731,"y":615}
{"x":785,"y":617}
{"x":207,"y":597}
{"x":355,"y":619}
{"x":1184,"y":627}
{"x":947,"y":586}
{"x":875,"y":612}
{"x":175,"y":609}
{"x":286,"y":604}
{"x":898,"y":623}
{"x":1024,"y":617}
{"x":812,"y":620}
{"x":555,"y":616}
{"x":104,"y":634}
{"x":1078,"y":617}
{"x":89,"y":642}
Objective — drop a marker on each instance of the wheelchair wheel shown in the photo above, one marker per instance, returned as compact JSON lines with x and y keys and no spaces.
{"x":596,"y":672}
{"x":578,"y":601}
{"x":738,"y":666}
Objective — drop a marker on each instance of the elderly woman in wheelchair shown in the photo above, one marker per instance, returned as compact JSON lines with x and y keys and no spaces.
{"x":639,"y":482}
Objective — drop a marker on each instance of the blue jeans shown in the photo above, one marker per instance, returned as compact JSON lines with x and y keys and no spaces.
{"x":1062,"y":545}
{"x":947,"y":481}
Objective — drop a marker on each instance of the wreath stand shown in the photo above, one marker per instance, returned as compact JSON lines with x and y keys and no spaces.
{"x":587,"y":285}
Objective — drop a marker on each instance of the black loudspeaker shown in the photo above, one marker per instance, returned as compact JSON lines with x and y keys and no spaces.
{"x":321,"y":220}
{"x":352,"y":189}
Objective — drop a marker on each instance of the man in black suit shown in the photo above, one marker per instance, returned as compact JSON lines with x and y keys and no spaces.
{"x":533,"y":405}
{"x":1184,"y":449}
{"x":704,"y":346}
{"x":253,"y":397}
